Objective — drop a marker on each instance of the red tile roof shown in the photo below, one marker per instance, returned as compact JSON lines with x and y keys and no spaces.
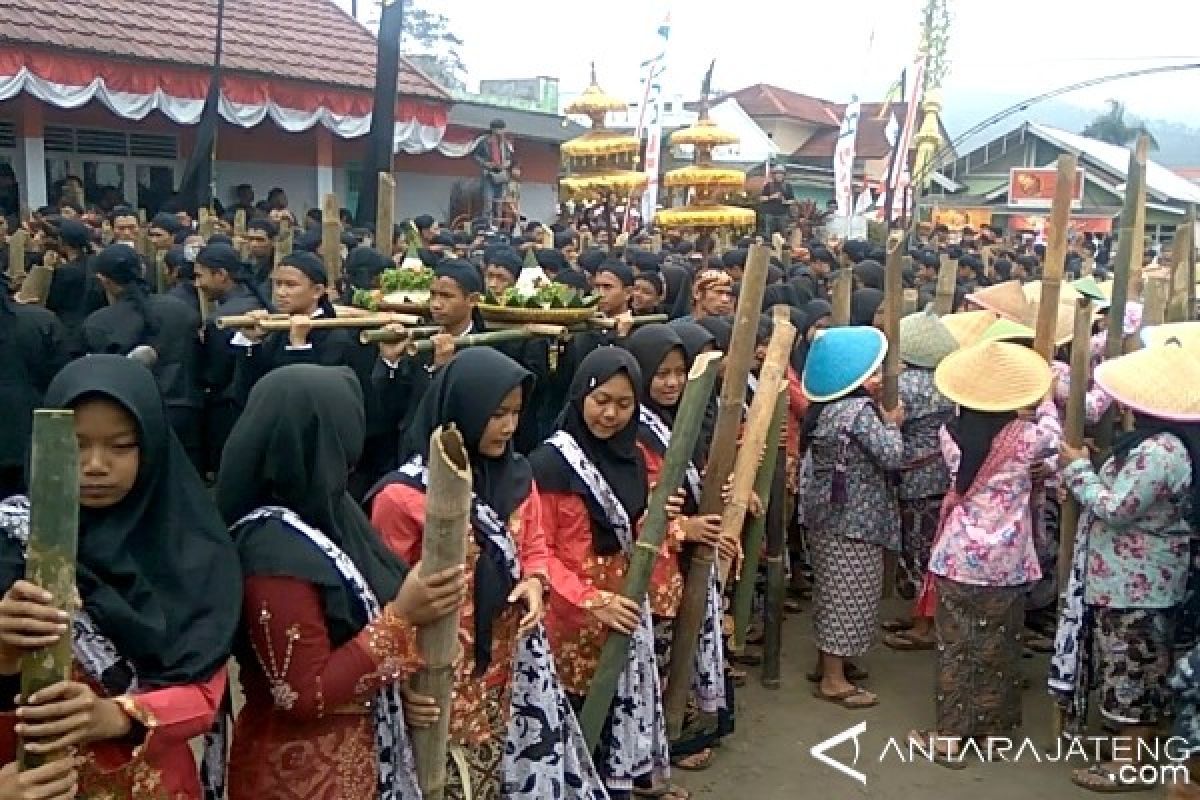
{"x":764,"y":100}
{"x":305,"y":40}
{"x":1188,"y":173}
{"x":872,"y":142}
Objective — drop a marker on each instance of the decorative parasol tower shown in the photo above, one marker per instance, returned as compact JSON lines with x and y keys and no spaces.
{"x":709,"y":184}
{"x":602,"y":160}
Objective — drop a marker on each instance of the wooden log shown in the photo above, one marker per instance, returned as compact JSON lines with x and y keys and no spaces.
{"x":947,"y":281}
{"x":239,"y":234}
{"x":205,"y":224}
{"x":841,"y":294}
{"x":282,"y":322}
{"x":443,"y":545}
{"x":776,"y":527}
{"x":1135,"y":193}
{"x":50,"y":553}
{"x":721,"y":456}
{"x":1154,"y":300}
{"x":771,"y":378}
{"x":1073,"y":429}
{"x":615,"y":654}
{"x":17,"y":241}
{"x":388,"y":336}
{"x":610,"y":323}
{"x":1056,"y":254}
{"x":422,"y":346}
{"x":1180,"y":307}
{"x":752,"y":548}
{"x":331,"y":238}
{"x":36,"y":286}
{"x":385,"y":214}
{"x":893,"y":302}
{"x":283,"y":242}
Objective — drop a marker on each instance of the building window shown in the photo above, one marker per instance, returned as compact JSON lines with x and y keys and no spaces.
{"x":115,"y":167}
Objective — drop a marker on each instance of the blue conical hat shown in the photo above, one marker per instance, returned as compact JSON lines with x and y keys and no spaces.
{"x":840,"y":360}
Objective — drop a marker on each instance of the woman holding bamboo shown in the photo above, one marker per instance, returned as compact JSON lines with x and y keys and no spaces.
{"x":1132,"y":554}
{"x":328,"y":612}
{"x":159,"y":586}
{"x":591,"y":479}
{"x":850,"y":508}
{"x":984,"y":557}
{"x":507,"y":702}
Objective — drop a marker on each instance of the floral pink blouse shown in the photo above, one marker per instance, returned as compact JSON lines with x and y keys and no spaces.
{"x":987,"y":539}
{"x":1095,"y":401}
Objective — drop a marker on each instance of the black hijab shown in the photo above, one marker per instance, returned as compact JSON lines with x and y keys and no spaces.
{"x":695,"y":338}
{"x":650,"y":344}
{"x":863,"y":305}
{"x":778,"y":294}
{"x":301,"y":432}
{"x":618,"y":459}
{"x":973,"y":432}
{"x":817,"y":310}
{"x":156,"y":572}
{"x":1145,"y":426}
{"x":467,"y":391}
{"x":870,"y":274}
{"x":720,"y":328}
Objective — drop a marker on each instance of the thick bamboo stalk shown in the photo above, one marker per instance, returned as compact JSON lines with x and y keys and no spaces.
{"x":615,"y":654}
{"x":331,"y":238}
{"x":1154,"y":300}
{"x":1127,"y":256}
{"x":36,"y":286}
{"x":841,"y":294}
{"x":1191,"y":271}
{"x":776,"y":524}
{"x":205,"y":223}
{"x":1073,"y":429}
{"x":53,"y":540}
{"x":947,"y":280}
{"x":16,"y":257}
{"x":422,"y":346}
{"x":771,"y":378}
{"x":893,"y":302}
{"x":752,"y":549}
{"x":239,"y":234}
{"x":1056,"y":254}
{"x":656,"y":243}
{"x":283,"y":242}
{"x":385,"y":214}
{"x":388,"y":336}
{"x":911,"y":298}
{"x":610,"y":323}
{"x":282,"y":322}
{"x":443,"y":545}
{"x":1179,"y":308}
{"x":721,"y":456}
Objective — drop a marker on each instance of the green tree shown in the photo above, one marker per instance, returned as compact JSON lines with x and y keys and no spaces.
{"x":429,"y":43}
{"x":1111,"y":127}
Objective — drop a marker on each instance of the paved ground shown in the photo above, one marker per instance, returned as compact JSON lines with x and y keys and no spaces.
{"x":768,"y":758}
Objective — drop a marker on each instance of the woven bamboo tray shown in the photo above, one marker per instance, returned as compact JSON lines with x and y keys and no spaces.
{"x":549,"y":316}
{"x":413,"y":301}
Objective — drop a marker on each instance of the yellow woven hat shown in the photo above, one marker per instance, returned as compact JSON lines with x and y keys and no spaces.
{"x":968,"y":326}
{"x":993,"y":376}
{"x":1186,"y":333}
{"x":1162,"y":382}
{"x":1006,"y":299}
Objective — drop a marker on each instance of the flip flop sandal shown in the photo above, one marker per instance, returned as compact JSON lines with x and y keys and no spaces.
{"x":1097,"y":778}
{"x":897,"y":625}
{"x":846,"y":699}
{"x":853,"y":673}
{"x":946,"y":760}
{"x":904,"y":640}
{"x":696,"y":762}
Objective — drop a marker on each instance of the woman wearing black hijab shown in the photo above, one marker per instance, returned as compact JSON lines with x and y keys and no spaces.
{"x":328,"y":611}
{"x":868,"y":275}
{"x":592,"y":481}
{"x":505,"y":655}
{"x":159,"y":584}
{"x":865,"y":308}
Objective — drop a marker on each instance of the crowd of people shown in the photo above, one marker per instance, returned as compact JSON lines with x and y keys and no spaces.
{"x":259,"y":496}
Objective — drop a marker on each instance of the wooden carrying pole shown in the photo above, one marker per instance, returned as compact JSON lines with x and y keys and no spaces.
{"x":893,"y":301}
{"x":841,"y":294}
{"x":389,"y":336}
{"x":947,"y":280}
{"x":283,"y":322}
{"x":721,"y":455}
{"x":771,"y":377}
{"x":50,"y":553}
{"x":615,"y":654}
{"x":421,"y":346}
{"x":385,"y":215}
{"x":1135,"y":196}
{"x":743,"y":595}
{"x":1056,"y":254}
{"x":444,"y":545}
{"x":1073,"y":429}
{"x":331,"y":239}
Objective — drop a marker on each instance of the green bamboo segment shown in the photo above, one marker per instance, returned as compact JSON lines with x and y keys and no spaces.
{"x":421,"y":346}
{"x":683,"y":441}
{"x":53,"y":540}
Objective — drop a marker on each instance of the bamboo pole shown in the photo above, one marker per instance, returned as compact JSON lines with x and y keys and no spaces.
{"x":239,"y":234}
{"x":389,"y":336}
{"x":1135,"y":193}
{"x":721,"y":455}
{"x":1179,"y":307}
{"x":610,"y":323}
{"x":1154,"y":300}
{"x":444,"y":545}
{"x":743,"y":596}
{"x":488,"y":338}
{"x":1191,"y":271}
{"x":615,"y":654}
{"x":841,"y":294}
{"x":16,"y":257}
{"x":893,"y":301}
{"x":50,"y":553}
{"x":771,"y":379}
{"x":1056,"y":253}
{"x":36,"y":286}
{"x":385,"y":214}
{"x":947,"y":281}
{"x":776,"y":527}
{"x":205,"y":224}
{"x":331,"y":239}
{"x":160,"y":271}
{"x":1073,"y":429}
{"x":282,"y":322}
{"x":283,"y":242}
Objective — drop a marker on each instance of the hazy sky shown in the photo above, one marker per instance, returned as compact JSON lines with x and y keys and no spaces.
{"x":833,"y":48}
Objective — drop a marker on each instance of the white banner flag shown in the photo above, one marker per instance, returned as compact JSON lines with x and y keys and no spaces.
{"x":843,"y":160}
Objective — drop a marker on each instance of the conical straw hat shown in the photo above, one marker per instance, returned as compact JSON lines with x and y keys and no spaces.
{"x":1006,"y":299}
{"x":993,"y":376}
{"x":1089,"y":288}
{"x":1186,"y":333}
{"x":840,"y":360}
{"x":1005,"y":330}
{"x":1066,"y":292}
{"x":1162,"y":382}
{"x":924,"y":340}
{"x":968,"y":326}
{"x":1064,"y":323}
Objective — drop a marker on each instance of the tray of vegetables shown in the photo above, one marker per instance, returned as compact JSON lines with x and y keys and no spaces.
{"x":405,"y":291}
{"x":552,"y":303}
